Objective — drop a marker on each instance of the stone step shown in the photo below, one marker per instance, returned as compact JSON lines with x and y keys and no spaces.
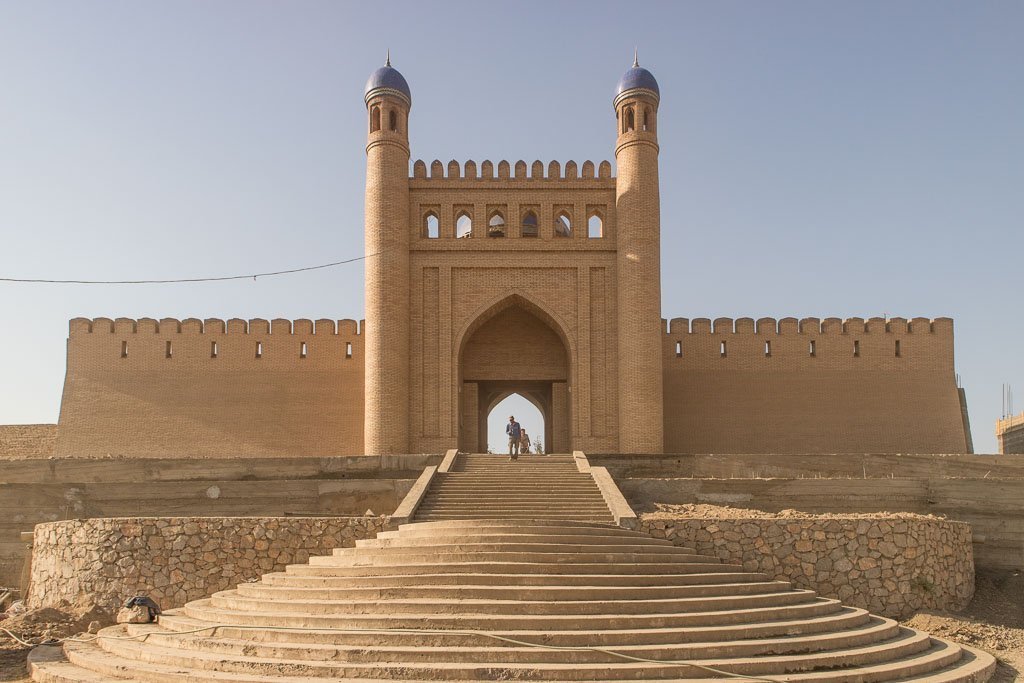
{"x":391,"y":539}
{"x":385,"y":580}
{"x":924,"y":668}
{"x":525,"y":517}
{"x":206,"y":610}
{"x":847,"y":618}
{"x":325,"y":568}
{"x":516,"y":504}
{"x":268,"y":591}
{"x":344,"y":557}
{"x":232,"y":599}
{"x":505,"y":651}
{"x":487,"y":526}
{"x":916,"y":648}
{"x":473,"y":548}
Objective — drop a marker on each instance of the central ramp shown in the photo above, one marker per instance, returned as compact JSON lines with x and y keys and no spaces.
{"x":484,"y":486}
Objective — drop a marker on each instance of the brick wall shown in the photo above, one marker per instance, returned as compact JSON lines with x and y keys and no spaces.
{"x":811,"y":386}
{"x":152,"y":388}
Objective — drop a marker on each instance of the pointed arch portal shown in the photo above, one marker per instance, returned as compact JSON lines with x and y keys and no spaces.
{"x":514,"y":347}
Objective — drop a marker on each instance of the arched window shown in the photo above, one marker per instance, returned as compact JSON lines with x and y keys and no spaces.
{"x":563,"y":225}
{"x":630,"y":123}
{"x":595,"y":226}
{"x":431,"y":226}
{"x":374,"y":119}
{"x":392,"y":120}
{"x":496,"y":225}
{"x":530,"y":228}
{"x":647,"y":118}
{"x":463,"y":225}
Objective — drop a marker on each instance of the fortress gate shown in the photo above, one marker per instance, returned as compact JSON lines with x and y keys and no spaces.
{"x":483,"y":281}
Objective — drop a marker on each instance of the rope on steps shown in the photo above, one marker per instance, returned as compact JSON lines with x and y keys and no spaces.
{"x":412,"y":631}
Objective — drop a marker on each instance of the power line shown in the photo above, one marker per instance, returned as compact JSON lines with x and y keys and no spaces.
{"x":185,"y":280}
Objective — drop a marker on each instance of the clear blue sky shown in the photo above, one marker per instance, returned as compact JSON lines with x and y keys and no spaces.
{"x":825,"y":159}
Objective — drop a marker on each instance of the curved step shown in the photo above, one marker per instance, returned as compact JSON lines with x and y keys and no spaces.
{"x":466,"y":591}
{"x":231,"y":599}
{"x":844,"y":619}
{"x":495,"y":650}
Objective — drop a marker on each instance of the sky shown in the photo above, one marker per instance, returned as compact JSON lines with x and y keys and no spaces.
{"x":817,"y":159}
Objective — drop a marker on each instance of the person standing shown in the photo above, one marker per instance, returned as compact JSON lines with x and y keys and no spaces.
{"x":524,"y":442}
{"x":515,"y":432}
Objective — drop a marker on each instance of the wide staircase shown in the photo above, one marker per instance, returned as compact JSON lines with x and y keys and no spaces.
{"x":532,"y":487}
{"x":507,"y":596}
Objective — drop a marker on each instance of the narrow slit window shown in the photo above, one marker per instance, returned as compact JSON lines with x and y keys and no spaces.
{"x":124,"y":349}
{"x":722,"y":349}
{"x":393,"y":120}
{"x":348,"y":349}
{"x":259,"y":349}
{"x":856,"y":348}
{"x":679,"y":349}
{"x":374,"y":119}
{"x":898,"y":353}
{"x":213,"y":349}
{"x":812,"y":348}
{"x":168,"y":352}
{"x":767,"y":349}
{"x":302,"y":350}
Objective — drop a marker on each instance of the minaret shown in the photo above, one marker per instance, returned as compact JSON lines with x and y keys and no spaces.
{"x":386,"y":337}
{"x":638,"y":217}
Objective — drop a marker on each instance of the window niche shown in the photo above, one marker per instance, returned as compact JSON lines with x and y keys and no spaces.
{"x":530,"y":226}
{"x":463,"y":224}
{"x":496,"y":224}
{"x":563,"y":224}
{"x":431,"y":225}
{"x":595,"y":225}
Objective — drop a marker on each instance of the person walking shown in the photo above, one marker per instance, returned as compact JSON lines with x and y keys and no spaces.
{"x":524,"y":442}
{"x":515,"y":432}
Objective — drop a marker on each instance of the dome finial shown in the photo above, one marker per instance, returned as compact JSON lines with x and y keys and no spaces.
{"x":636,"y":62}
{"x":387,"y":61}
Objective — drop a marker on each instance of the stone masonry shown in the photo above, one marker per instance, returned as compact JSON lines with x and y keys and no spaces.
{"x":890,"y":565}
{"x":102,"y":562}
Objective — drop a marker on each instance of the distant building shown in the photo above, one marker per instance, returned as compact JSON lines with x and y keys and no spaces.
{"x":1010,"y":434}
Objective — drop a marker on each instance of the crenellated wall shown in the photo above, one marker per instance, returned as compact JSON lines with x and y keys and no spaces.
{"x":507,"y":170}
{"x":811,"y":385}
{"x":164,"y":388}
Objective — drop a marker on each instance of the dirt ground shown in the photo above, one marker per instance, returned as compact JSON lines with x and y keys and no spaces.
{"x":994,"y":622}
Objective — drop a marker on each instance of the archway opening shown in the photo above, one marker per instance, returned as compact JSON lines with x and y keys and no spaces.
{"x":527,"y":414}
{"x":514,"y":348}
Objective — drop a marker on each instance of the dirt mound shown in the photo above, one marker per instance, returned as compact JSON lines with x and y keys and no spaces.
{"x":37,"y":626}
{"x":707,"y":511}
{"x":994,"y":622}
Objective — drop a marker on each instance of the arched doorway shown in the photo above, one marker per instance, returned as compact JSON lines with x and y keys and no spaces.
{"x":528,"y":414}
{"x":514,"y":347}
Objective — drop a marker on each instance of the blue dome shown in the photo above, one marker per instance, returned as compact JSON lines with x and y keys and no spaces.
{"x":388,"y":78}
{"x":637,"y":78}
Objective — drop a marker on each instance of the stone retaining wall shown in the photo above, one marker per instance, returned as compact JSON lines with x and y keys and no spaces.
{"x":892,"y":565}
{"x":101,"y":562}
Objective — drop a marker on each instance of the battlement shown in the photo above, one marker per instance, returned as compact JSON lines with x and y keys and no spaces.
{"x":507,"y":170}
{"x":809,"y":326}
{"x":216,"y":326}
